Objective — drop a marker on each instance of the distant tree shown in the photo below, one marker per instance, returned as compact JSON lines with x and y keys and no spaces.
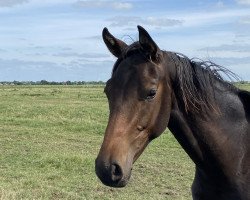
{"x":17,"y":83}
{"x":68,"y":83}
{"x":44,"y":82}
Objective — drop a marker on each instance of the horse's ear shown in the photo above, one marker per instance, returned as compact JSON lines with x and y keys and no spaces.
{"x":147,"y":43}
{"x":114,"y":45}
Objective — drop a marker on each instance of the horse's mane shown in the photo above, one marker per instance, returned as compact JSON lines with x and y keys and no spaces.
{"x":195,"y":79}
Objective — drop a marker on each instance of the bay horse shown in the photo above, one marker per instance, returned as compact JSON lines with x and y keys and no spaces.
{"x":150,"y":90}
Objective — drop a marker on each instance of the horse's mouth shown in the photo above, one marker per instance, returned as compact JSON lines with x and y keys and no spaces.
{"x":116,"y":184}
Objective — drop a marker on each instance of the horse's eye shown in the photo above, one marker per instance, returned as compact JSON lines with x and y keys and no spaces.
{"x":151,"y":94}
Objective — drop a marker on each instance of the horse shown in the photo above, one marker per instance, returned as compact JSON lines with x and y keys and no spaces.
{"x":151,"y":90}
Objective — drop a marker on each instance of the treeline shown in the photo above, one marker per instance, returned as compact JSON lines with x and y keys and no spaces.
{"x":243,"y":82}
{"x":44,"y":82}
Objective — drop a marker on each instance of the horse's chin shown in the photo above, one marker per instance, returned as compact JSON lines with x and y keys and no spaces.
{"x":120,"y":184}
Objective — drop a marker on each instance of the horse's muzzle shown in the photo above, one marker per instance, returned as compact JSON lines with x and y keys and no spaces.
{"x":110,"y":174}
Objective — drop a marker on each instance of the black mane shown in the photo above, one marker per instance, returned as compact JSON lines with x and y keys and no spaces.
{"x":197,"y":80}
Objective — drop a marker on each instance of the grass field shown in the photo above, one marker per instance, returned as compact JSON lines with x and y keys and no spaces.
{"x":50,"y":136}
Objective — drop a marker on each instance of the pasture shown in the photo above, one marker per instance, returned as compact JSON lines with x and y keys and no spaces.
{"x":49,"y":139}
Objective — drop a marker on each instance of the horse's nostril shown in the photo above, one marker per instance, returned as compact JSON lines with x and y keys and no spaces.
{"x":116,"y":173}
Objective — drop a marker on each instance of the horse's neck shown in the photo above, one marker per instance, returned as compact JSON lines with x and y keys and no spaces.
{"x":183,"y":133}
{"x":214,"y":141}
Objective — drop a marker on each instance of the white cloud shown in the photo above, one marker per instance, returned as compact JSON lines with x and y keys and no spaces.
{"x":245,"y":20}
{"x":243,"y":2}
{"x":13,"y":5}
{"x":229,"y":47}
{"x":220,"y":4}
{"x":94,"y":37}
{"x":151,"y":21}
{"x":25,"y":70}
{"x":10,"y":3}
{"x":122,"y":5}
{"x":2,"y":50}
{"x":82,"y":55}
{"x":230,"y":61}
{"x":105,"y":4}
{"x":203,"y":18}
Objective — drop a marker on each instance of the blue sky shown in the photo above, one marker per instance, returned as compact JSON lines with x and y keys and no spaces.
{"x":60,"y":40}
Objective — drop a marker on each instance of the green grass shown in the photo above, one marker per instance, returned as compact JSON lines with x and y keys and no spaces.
{"x":49,"y":139}
{"x":245,"y":86}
